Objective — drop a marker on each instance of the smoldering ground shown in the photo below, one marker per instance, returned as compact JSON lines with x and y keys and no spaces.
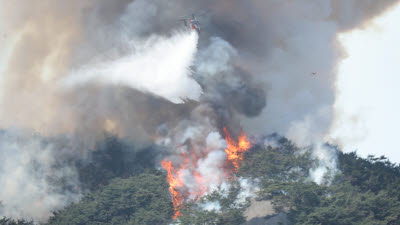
{"x":251,"y":69}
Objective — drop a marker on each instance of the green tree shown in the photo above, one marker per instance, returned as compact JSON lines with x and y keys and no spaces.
{"x":229,"y":210}
{"x":7,"y":221}
{"x":364,"y":193}
{"x":113,"y":158}
{"x":281,"y":163}
{"x":139,"y":200}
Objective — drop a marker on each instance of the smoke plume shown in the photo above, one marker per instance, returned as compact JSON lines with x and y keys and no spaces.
{"x":78,"y":69}
{"x":34,"y":181}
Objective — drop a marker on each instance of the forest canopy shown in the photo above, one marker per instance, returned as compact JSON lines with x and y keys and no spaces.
{"x":124,"y":190}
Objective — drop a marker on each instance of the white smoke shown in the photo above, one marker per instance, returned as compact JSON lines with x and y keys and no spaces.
{"x":215,"y":59}
{"x":203,"y":148}
{"x":158,"y":65}
{"x":211,"y":169}
{"x":311,"y":129}
{"x":326,"y":168}
{"x":309,"y":133}
{"x":51,"y":36}
{"x":271,"y":142}
{"x":249,"y":189}
{"x":210,"y":206}
{"x":30,"y":176}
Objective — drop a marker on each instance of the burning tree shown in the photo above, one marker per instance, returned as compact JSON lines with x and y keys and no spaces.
{"x":187,"y":180}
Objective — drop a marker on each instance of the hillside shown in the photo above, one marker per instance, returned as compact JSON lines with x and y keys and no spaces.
{"x":364,"y":191}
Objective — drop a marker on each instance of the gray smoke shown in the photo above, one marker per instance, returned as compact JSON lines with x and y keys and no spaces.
{"x":254,"y":63}
{"x":35,"y":176}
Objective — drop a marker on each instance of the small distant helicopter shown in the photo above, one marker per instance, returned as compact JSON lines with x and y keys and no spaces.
{"x":192,"y":23}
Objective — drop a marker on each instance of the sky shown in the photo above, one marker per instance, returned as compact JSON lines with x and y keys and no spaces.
{"x":367,"y":104}
{"x":72,"y":70}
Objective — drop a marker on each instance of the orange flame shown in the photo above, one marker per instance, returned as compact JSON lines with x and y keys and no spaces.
{"x":174,"y":184}
{"x":202,"y":189}
{"x":235,"y":150}
{"x":175,"y":177}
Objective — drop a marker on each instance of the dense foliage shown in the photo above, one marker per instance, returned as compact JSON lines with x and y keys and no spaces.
{"x":229,"y":210}
{"x":7,"y":221}
{"x":142,"y":199}
{"x":113,"y":158}
{"x":124,"y":191}
{"x":284,"y":161}
{"x":366,"y":191}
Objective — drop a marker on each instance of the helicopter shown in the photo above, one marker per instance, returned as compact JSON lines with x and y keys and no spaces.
{"x":192,"y":23}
